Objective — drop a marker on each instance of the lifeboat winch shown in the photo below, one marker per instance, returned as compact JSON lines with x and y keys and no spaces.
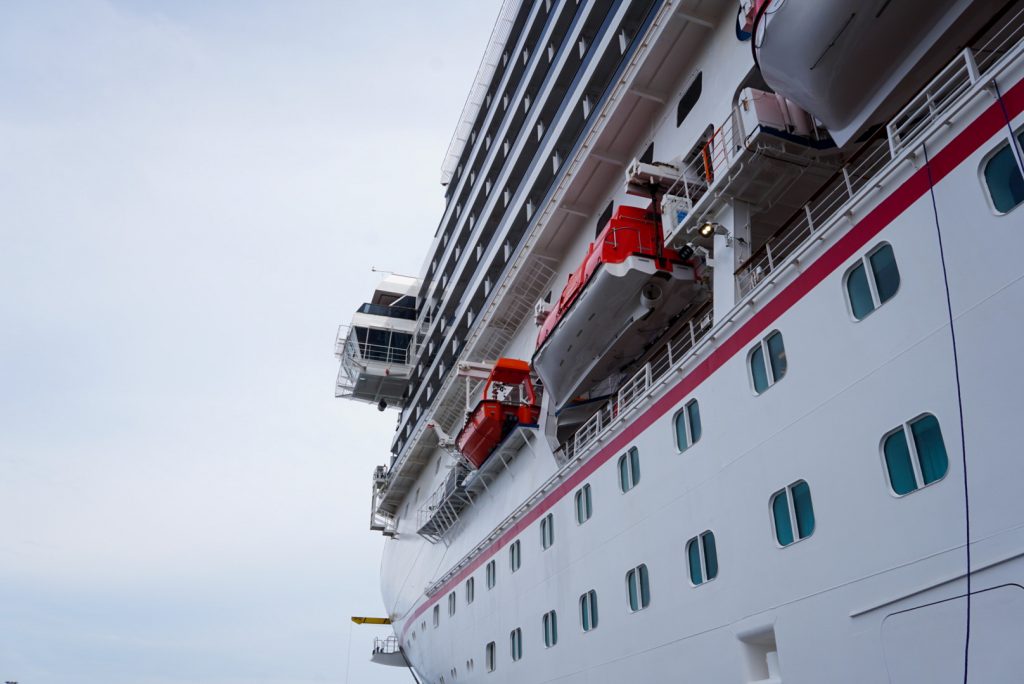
{"x":508,"y":401}
{"x":626,"y":292}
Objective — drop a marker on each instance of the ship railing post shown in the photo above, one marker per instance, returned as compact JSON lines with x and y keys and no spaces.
{"x":768,"y":253}
{"x":973,"y":73}
{"x":810,"y":219}
{"x":849,"y":183}
{"x":648,"y":377}
{"x":693,"y":336}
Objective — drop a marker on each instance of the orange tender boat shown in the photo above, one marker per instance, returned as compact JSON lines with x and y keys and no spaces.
{"x":508,"y":402}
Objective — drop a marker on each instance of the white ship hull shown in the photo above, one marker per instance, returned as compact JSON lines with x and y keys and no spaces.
{"x":886,"y":586}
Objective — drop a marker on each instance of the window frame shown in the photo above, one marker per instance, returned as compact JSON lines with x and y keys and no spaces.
{"x":490,"y":657}
{"x":583,"y":494}
{"x":869,"y":271}
{"x":632,"y":460}
{"x":700,"y":541}
{"x":641,"y":575}
{"x":906,"y":428}
{"x":452,"y":603}
{"x":1006,"y":142}
{"x":515,"y":643}
{"x":794,"y":522}
{"x":437,"y":615}
{"x":470,"y":590}
{"x":684,"y":413}
{"x":547,"y":531}
{"x":549,"y":624}
{"x":515,"y":557}
{"x":588,"y":602}
{"x":762,"y":345}
{"x":491,"y":574}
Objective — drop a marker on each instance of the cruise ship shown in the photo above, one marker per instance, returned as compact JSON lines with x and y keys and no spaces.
{"x":711,"y":370}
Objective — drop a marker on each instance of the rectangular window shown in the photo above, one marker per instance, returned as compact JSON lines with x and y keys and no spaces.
{"x":915,"y":455}
{"x":767,"y":362}
{"x":638,"y":588}
{"x":873,"y":281}
{"x":588,"y":610}
{"x":489,"y":657}
{"x":437,"y":616}
{"x":492,"y":574}
{"x":516,"y":643}
{"x":514,"y":558}
{"x":547,"y":531}
{"x":584,"y":508}
{"x":688,"y":426}
{"x":1003,"y":177}
{"x":629,"y":469}
{"x":792,"y":511}
{"x":702,"y":557}
{"x":451,"y":603}
{"x":550,"y":629}
{"x":470,"y":590}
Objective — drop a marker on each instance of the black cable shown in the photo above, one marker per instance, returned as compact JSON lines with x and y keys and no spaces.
{"x":960,"y":405}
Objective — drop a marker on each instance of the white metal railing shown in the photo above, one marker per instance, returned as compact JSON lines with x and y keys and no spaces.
{"x":385,"y":646}
{"x":637,"y":388}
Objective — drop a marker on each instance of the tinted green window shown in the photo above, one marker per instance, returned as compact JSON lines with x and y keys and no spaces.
{"x":932,"y":461}
{"x":860,"y":293}
{"x":930,"y":448}
{"x":693,"y":553}
{"x":780,"y":513}
{"x":887,"y":275}
{"x":629,"y":469}
{"x":710,"y":555}
{"x":758,"y":370}
{"x":778,"y":356}
{"x":1004,"y":180}
{"x":624,"y":483}
{"x":897,"y":462}
{"x":588,"y":610}
{"x":688,"y":426}
{"x":693,"y":411}
{"x":638,"y":588}
{"x":803,"y":509}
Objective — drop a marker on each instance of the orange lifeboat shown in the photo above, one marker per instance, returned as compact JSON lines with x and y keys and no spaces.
{"x":508,"y":402}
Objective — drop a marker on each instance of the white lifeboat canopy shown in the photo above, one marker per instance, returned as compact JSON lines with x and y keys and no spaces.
{"x":851,"y":63}
{"x":376,"y":350}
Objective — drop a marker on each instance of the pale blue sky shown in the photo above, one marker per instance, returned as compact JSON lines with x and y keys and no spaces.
{"x":191,"y":197}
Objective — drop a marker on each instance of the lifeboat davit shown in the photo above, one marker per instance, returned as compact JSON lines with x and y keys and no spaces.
{"x":625,"y":293}
{"x":508,"y":402}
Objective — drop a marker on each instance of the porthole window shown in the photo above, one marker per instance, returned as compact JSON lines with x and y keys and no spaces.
{"x":470,"y":590}
{"x":588,"y":610}
{"x":492,"y":574}
{"x":547,"y":531}
{"x":792,"y":513}
{"x":514,"y":557}
{"x":516,"y":643}
{"x":584,"y":506}
{"x":767,"y":362}
{"x":915,"y":455}
{"x":629,"y":469}
{"x":702,"y":557}
{"x":550,"y":623}
{"x":489,"y":657}
{"x":873,"y":281}
{"x":1003,"y":178}
{"x":688,"y":425}
{"x":638,"y":588}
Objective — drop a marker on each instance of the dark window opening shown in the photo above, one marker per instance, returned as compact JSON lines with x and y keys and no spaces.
{"x":606,"y":216}
{"x":689,"y":99}
{"x":648,"y":156}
